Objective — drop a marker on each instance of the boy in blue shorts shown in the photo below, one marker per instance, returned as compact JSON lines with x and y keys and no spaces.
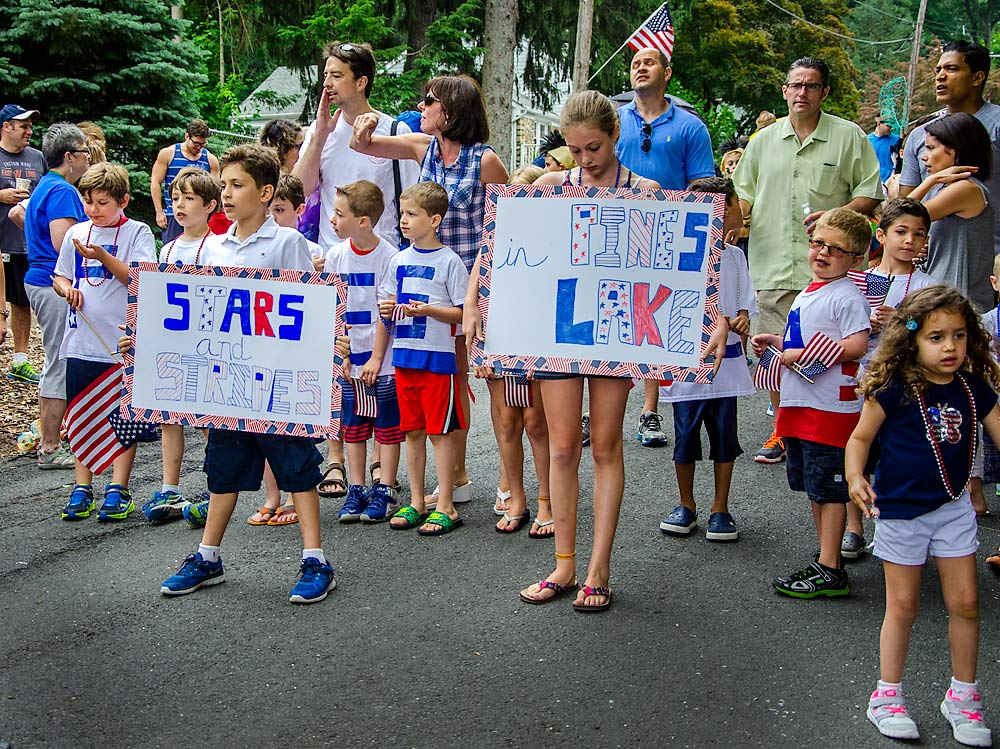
{"x":425,"y":291}
{"x":234,"y":461}
{"x":363,"y":259}
{"x":816,"y":417}
{"x":714,"y":405}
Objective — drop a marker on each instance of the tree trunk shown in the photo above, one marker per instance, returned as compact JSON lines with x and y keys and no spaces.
{"x":584,"y":31}
{"x":500,"y":40}
{"x":419,"y":15}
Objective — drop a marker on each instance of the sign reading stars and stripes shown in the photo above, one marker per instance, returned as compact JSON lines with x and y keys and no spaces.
{"x":767,"y":376}
{"x":657,"y":32}
{"x":874,"y":286}
{"x":365,"y":400}
{"x":517,"y":391}
{"x":821,"y":353}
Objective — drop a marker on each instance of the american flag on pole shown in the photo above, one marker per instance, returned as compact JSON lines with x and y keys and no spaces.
{"x":96,"y":431}
{"x":767,"y":376}
{"x":821,"y":353}
{"x":365,"y":400}
{"x":517,"y":391}
{"x":874,"y":286}
{"x":657,"y":32}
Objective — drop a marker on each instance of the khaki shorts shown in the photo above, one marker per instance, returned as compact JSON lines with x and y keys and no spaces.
{"x":773,"y":305}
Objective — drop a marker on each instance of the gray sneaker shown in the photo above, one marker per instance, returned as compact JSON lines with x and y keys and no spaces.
{"x":887,"y":712}
{"x":585,"y":428}
{"x":852,"y":546}
{"x":651,"y":432}
{"x":964,"y":711}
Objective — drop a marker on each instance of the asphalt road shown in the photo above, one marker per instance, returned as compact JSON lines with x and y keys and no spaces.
{"x":425,"y":644}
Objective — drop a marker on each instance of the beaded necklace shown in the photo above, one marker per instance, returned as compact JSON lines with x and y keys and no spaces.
{"x":618,"y":175}
{"x":107,"y":273}
{"x":197,"y":255}
{"x":973,"y":443}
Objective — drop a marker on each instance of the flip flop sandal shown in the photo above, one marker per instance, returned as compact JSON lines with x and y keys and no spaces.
{"x":532,"y":533}
{"x":501,"y":497}
{"x":556,"y":588}
{"x":519,"y":521}
{"x":377,"y":466}
{"x":284,"y":516}
{"x":587,"y":592}
{"x":410,"y":515}
{"x":444,"y":524}
{"x":262,"y":516}
{"x":993,"y":561}
{"x":333,"y":486}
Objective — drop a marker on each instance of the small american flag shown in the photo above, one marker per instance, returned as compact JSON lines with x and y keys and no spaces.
{"x":821,"y":353}
{"x":657,"y":32}
{"x":767,"y":376}
{"x":96,"y":433}
{"x":517,"y":391}
{"x":365,"y":400}
{"x":874,"y":286}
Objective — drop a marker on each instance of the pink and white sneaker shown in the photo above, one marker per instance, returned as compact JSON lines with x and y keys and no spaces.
{"x":964,"y":711}
{"x":887,"y":711}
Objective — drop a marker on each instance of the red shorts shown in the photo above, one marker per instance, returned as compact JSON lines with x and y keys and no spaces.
{"x":428,"y":401}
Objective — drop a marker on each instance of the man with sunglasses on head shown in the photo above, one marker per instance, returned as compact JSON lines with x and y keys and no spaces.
{"x":668,"y":144}
{"x":790,"y":174}
{"x":169,"y":162}
{"x":326,"y":158}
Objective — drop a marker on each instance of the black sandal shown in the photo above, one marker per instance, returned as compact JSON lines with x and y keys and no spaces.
{"x":377,"y":466}
{"x":333,"y":486}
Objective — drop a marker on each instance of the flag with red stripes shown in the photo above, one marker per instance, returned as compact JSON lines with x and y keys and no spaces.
{"x":657,"y":32}
{"x":517,"y":391}
{"x":365,"y":399}
{"x":767,"y":376}
{"x":874,"y":286}
{"x":90,"y":426}
{"x":821,"y":348}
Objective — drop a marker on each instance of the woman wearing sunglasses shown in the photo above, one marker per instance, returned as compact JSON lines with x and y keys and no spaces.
{"x":451,"y":150}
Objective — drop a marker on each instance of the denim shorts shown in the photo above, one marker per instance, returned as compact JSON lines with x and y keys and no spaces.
{"x":719,"y":417}
{"x":817,"y":470}
{"x":234,"y":461}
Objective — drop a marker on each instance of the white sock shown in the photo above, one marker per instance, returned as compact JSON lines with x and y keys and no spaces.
{"x":19,"y":358}
{"x":315,"y":554}
{"x":175,"y":488}
{"x":961,"y":686}
{"x":889,"y":685}
{"x":209,"y":553}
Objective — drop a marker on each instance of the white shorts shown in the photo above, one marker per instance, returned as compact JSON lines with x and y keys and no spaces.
{"x":949,"y":531}
{"x":50,"y":309}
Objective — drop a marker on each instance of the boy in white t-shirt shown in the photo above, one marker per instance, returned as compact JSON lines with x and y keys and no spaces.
{"x":195,"y":195}
{"x":363,"y":260}
{"x":425,"y":290}
{"x":92,"y":274}
{"x":816,"y":418}
{"x":714,"y":405}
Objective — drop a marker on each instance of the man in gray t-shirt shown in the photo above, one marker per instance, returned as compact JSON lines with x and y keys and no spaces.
{"x":21,"y":166}
{"x":959,"y":79}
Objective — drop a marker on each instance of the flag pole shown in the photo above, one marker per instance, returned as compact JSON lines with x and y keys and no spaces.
{"x":624,"y":44}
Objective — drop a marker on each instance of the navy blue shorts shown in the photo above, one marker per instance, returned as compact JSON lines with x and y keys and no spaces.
{"x":385,"y":424}
{"x":817,"y":470}
{"x":234,"y":461}
{"x":719,"y":417}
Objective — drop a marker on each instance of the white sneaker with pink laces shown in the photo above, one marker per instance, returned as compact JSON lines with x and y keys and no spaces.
{"x":964,"y":711}
{"x":887,"y":711}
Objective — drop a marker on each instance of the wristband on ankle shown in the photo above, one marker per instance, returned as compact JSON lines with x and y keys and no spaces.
{"x":571,"y":555}
{"x":544,"y":499}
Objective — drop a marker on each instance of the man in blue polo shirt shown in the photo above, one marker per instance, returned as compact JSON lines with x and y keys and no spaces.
{"x":668,"y":144}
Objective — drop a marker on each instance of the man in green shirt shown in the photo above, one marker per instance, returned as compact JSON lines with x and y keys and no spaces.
{"x":791,"y":174}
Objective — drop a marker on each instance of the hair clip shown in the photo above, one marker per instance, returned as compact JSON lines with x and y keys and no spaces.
{"x":911,"y":324}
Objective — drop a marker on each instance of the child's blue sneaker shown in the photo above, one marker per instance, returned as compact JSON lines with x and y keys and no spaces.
{"x":721,"y":527}
{"x":196,"y":513}
{"x":118,"y":504}
{"x":314,"y":583}
{"x":81,"y":503}
{"x":164,"y":507}
{"x":354,"y":505}
{"x":194,"y":573}
{"x":382,"y":503}
{"x":680,"y":522}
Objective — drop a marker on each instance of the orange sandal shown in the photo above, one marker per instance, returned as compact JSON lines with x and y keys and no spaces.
{"x":263,"y":516}
{"x":284,"y":516}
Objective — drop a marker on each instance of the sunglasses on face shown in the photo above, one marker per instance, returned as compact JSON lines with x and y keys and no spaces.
{"x":430,"y":99}
{"x":647,"y":137}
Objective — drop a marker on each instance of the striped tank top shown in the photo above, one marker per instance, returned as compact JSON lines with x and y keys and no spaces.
{"x":178,"y":162}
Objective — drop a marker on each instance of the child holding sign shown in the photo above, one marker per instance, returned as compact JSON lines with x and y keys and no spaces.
{"x":92,"y":274}
{"x":363,"y":260}
{"x":195,"y":195}
{"x":590,"y":125}
{"x":826,"y":333}
{"x":234,"y":461}
{"x":424,"y":290}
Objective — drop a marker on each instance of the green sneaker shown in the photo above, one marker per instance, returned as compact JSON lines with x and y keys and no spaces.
{"x":81,"y":503}
{"x":196,"y":513}
{"x":118,"y":504}
{"x":23,"y":372}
